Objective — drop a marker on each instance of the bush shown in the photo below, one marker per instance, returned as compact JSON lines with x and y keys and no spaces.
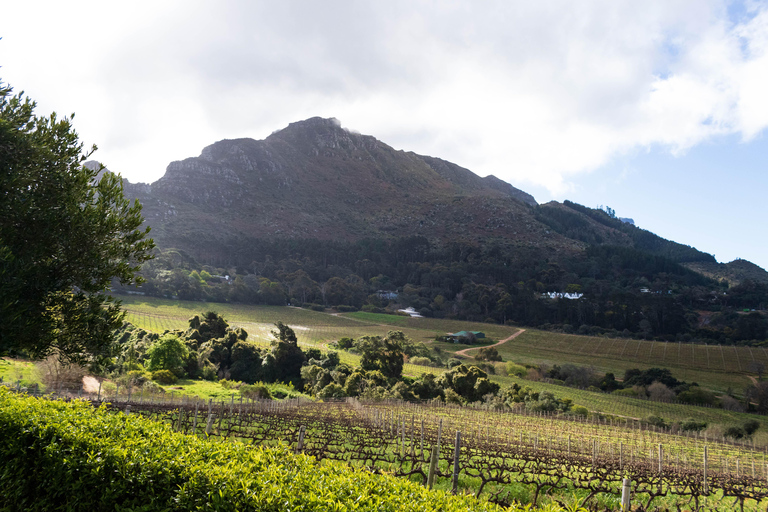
{"x":164,"y":377}
{"x":656,"y":421}
{"x":751,"y":426}
{"x":151,"y":387}
{"x":515,"y":369}
{"x":692,"y":425}
{"x":734,"y":432}
{"x":254,"y":391}
{"x":230,"y":384}
{"x":345,"y":343}
{"x":488,"y":354}
{"x":625,"y":392}
{"x":423,"y":361}
{"x":579,"y":410}
{"x":346,"y":309}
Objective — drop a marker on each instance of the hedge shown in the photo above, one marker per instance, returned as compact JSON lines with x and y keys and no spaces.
{"x":57,"y":455}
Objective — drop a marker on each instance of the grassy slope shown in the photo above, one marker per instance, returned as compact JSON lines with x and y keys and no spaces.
{"x":14,"y":370}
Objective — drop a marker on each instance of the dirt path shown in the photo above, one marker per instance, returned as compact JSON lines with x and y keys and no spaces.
{"x":463,"y":353}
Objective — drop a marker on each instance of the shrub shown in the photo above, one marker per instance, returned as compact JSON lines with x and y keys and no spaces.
{"x":423,"y":361}
{"x":625,"y":392}
{"x":488,"y":354}
{"x":164,"y":377}
{"x":138,"y":377}
{"x":151,"y":387}
{"x":230,"y":384}
{"x":255,"y":391}
{"x":452,"y":362}
{"x":751,"y":426}
{"x":656,"y":421}
{"x":692,"y":425}
{"x":579,"y":410}
{"x":332,"y":390}
{"x":516,"y":369}
{"x":345,"y":343}
{"x":734,"y":432}
{"x":346,"y":309}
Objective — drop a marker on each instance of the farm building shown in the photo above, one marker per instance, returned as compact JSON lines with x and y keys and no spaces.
{"x":465,"y":336}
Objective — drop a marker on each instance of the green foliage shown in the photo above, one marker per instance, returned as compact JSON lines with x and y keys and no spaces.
{"x":488,"y":354}
{"x":579,"y":410}
{"x":422,"y":361}
{"x":65,"y":234}
{"x":693,"y":425}
{"x":165,"y":377}
{"x":513,"y":368}
{"x":168,"y":353}
{"x":345,"y":343}
{"x":61,"y":456}
{"x":286,"y":357}
{"x":383,"y":354}
{"x":656,"y":421}
{"x":253,"y":391}
{"x":470,"y":383}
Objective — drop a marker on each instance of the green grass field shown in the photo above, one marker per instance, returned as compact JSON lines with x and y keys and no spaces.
{"x":15,"y":370}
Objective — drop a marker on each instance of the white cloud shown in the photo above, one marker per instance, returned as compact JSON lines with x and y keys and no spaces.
{"x":536,"y":93}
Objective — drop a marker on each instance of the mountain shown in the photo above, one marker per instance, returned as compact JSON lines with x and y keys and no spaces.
{"x":317,"y":180}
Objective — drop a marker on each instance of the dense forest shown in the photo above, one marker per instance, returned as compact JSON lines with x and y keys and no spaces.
{"x":623,"y":291}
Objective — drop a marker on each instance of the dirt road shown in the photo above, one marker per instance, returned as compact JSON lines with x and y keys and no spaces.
{"x":463,"y":353}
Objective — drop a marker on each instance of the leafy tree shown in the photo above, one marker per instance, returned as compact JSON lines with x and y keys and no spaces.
{"x":288,"y":357}
{"x":383,"y":354}
{"x":488,"y":354}
{"x":65,"y":234}
{"x":246,"y":362}
{"x":470,"y":383}
{"x":168,"y":353}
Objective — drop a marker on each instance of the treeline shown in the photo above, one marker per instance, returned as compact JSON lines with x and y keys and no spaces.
{"x":626,"y":292}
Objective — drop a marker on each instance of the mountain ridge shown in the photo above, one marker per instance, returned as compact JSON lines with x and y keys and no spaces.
{"x":317,"y":180}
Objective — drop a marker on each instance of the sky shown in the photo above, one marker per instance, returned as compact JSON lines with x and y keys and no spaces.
{"x":657,"y":109}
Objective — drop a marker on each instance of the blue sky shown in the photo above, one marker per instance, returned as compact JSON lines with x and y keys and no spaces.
{"x":657,"y":109}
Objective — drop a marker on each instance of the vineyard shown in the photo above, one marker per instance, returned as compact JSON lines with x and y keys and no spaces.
{"x":497,"y":456}
{"x":317,"y":329}
{"x":713,"y":366}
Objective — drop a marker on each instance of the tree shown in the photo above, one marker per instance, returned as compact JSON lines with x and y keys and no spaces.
{"x":65,"y":234}
{"x":383,"y":354}
{"x":168,"y":353}
{"x":288,"y":357}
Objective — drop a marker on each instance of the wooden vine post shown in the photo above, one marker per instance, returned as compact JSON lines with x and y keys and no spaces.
{"x":300,"y":444}
{"x":625,"y":492}
{"x":457,"y":448}
{"x":432,"y":466}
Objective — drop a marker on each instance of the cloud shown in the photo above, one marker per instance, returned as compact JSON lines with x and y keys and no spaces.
{"x":535,"y":93}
